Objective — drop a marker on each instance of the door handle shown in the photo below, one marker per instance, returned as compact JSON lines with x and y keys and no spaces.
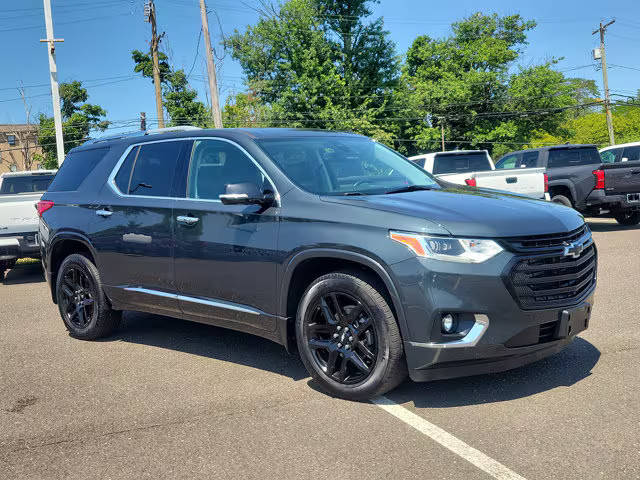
{"x":185,"y":220}
{"x":104,"y":213}
{"x":512,"y":179}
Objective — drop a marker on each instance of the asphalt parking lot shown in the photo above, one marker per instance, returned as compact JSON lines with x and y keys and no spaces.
{"x":164,"y":398}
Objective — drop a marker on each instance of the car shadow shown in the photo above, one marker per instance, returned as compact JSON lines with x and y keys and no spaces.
{"x":600,"y":225}
{"x":564,"y":369}
{"x":27,"y":273}
{"x":208,"y":341}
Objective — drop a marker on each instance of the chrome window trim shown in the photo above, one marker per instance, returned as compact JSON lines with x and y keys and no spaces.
{"x":212,"y":303}
{"x":112,"y":184}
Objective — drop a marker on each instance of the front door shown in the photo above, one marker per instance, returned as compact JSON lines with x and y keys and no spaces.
{"x":133,"y":229}
{"x":225,"y":258}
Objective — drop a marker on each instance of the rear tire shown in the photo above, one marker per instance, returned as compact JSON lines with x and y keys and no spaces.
{"x":83,"y":306}
{"x":628,"y":219}
{"x":348,"y":337}
{"x":562,"y":200}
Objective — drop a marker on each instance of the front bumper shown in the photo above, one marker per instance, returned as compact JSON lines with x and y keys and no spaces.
{"x":512,"y":336}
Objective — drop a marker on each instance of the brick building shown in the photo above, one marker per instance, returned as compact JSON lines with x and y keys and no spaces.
{"x":18,"y":144}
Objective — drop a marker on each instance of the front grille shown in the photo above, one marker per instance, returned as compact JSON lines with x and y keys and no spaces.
{"x":540,"y":243}
{"x":552,"y":279}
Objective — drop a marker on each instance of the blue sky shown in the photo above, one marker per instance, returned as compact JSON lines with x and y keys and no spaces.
{"x":100,"y":34}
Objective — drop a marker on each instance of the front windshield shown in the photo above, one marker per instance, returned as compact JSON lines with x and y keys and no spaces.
{"x":338,"y":165}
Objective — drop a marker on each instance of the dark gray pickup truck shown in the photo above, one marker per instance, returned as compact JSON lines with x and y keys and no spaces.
{"x":579,"y":178}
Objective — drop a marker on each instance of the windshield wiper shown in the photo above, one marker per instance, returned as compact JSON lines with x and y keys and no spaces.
{"x":411,"y":188}
{"x":349,"y":194}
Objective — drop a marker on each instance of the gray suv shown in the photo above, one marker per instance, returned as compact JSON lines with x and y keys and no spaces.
{"x":330,"y":244}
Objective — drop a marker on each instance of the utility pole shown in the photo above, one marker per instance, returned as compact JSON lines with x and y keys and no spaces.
{"x":211,"y":69}
{"x":53,"y":73}
{"x":442,"y":131}
{"x":605,"y":79}
{"x":150,"y":14}
{"x":143,"y":121}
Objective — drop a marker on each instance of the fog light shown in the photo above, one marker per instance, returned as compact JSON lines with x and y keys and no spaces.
{"x":448,"y":323}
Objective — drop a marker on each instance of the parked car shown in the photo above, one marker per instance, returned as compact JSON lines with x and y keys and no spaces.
{"x":328,"y":243}
{"x":475,"y":168}
{"x":578,"y":178}
{"x":626,"y":152}
{"x":19,"y":195}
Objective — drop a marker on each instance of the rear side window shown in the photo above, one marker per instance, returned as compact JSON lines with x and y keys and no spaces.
{"x":154,"y":167}
{"x":461,"y":163}
{"x":632,"y":154}
{"x":26,"y":184}
{"x":507,"y":162}
{"x":529,"y":160}
{"x":570,"y":157}
{"x":76,"y":167}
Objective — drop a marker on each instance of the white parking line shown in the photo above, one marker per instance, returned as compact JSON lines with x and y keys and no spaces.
{"x":457,"y":446}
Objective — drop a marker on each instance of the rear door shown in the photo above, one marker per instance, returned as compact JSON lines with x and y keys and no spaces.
{"x":226,"y":257}
{"x":133,"y":228}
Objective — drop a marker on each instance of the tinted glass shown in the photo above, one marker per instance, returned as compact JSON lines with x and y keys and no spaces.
{"x":216,"y":164}
{"x":507,"y":162}
{"x":124,"y":174}
{"x":632,"y":154}
{"x":569,"y":157}
{"x":344,"y":165}
{"x":154,"y":169}
{"x":611,"y":156}
{"x":529,"y":160}
{"x":461,"y":163}
{"x":29,"y":184}
{"x":75,"y":168}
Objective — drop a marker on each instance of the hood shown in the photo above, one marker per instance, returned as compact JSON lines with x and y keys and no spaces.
{"x":465,"y":211}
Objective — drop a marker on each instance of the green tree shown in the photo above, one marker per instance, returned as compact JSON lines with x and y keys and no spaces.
{"x":317,"y":63}
{"x":178,"y":98}
{"x":78,"y":120}
{"x":466,"y":85}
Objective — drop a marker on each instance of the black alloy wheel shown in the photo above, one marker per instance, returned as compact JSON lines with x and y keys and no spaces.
{"x":342,"y":338}
{"x":84,"y":308}
{"x":77,"y":300}
{"x":348,"y":337}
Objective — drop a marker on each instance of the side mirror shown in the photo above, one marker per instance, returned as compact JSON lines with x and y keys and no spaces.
{"x":246,"y":194}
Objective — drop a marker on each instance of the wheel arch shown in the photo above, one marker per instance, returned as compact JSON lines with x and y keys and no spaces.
{"x":308,"y":265}
{"x":63,"y":245}
{"x":560,"y":187}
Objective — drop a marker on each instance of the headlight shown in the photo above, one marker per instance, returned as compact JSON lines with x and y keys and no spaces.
{"x":466,"y":250}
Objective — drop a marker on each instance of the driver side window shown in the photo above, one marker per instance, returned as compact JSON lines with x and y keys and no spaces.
{"x":216,"y":164}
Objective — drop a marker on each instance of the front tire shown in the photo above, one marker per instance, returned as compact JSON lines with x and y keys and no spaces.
{"x":348,"y":337}
{"x":628,"y":218}
{"x":83,"y":306}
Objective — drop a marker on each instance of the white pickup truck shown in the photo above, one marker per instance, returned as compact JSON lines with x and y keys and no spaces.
{"x":19,"y":194}
{"x":475,"y":168}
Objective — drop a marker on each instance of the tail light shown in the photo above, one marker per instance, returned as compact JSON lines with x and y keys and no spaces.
{"x":546,"y":183}
{"x":43,"y":205}
{"x":471,"y":182}
{"x":599,"y":174}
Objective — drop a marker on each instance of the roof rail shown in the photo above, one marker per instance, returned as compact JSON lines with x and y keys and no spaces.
{"x":177,"y":128}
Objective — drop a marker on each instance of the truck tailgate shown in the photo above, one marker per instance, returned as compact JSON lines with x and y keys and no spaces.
{"x":18,"y":213}
{"x":621,"y":178}
{"x":524,"y":181}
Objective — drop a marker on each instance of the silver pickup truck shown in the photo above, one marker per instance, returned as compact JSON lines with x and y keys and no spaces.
{"x":19,"y":194}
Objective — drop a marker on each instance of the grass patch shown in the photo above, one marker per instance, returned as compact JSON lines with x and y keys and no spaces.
{"x":27,"y":261}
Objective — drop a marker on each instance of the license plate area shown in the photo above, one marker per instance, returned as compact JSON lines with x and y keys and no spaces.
{"x":574,"y":321}
{"x":633,"y":197}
